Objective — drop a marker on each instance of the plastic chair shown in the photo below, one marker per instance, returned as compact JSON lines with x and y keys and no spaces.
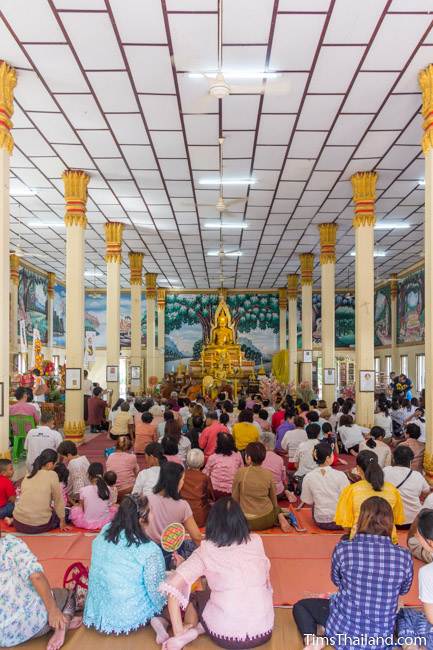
{"x":18,"y":427}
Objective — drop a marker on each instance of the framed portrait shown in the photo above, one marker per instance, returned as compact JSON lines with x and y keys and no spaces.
{"x":112,"y":373}
{"x":366,"y":381}
{"x":136,"y":373}
{"x":329,"y":376}
{"x":308,"y":356}
{"x":73,"y":379}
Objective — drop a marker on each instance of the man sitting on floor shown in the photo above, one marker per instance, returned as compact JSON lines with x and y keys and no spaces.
{"x":43,"y":437}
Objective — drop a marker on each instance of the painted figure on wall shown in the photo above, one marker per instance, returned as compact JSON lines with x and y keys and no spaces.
{"x":410,"y":308}
{"x":33,"y":302}
{"x":96,"y":317}
{"x":382,"y":316}
{"x":344,"y":320}
{"x":59,"y":316}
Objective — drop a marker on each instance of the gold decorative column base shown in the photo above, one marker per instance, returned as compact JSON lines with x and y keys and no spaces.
{"x":74,"y":431}
{"x":5,"y":454}
{"x":428,"y":467}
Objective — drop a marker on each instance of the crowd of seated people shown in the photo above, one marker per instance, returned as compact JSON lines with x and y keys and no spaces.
{"x":226,"y":471}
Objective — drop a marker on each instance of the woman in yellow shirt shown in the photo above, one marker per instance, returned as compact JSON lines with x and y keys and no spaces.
{"x":372,"y":484}
{"x":244,"y":431}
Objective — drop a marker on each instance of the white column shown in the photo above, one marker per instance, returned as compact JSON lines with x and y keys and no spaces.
{"x":136,"y":280}
{"x":150,"y":326}
{"x":75,"y":220}
{"x":161,"y":332}
{"x":328,"y":235}
{"x":113,"y":257}
{"x":307,"y":262}
{"x":50,"y":315}
{"x":426,"y":83}
{"x":7,"y":85}
{"x":282,"y":301}
{"x":292,"y":292}
{"x":364,"y":192}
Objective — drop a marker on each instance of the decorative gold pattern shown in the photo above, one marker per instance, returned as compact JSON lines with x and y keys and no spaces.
{"x":328,"y":239}
{"x":74,"y":430}
{"x":292,"y":285}
{"x":51,"y":284}
{"x":282,"y":298}
{"x":151,"y":285}
{"x":428,"y":466}
{"x":8,"y":81}
{"x":6,"y":455}
{"x":136,"y":268}
{"x":364,"y":195}
{"x":161,"y":298}
{"x":394,"y":285}
{"x":76,"y":197}
{"x":307,"y":265}
{"x":425,"y":79}
{"x":113,"y":240}
{"x":14,"y":268}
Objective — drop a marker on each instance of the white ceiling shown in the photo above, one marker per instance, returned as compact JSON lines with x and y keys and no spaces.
{"x":103,"y":86}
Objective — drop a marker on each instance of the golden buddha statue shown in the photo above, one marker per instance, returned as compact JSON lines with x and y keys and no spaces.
{"x":221,"y":334}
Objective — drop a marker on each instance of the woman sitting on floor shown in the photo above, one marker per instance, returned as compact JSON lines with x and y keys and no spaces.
{"x":123,"y":423}
{"x":322,"y":487}
{"x":95,"y":509}
{"x":145,"y":431}
{"x":236,"y":609}
{"x":29,"y":607}
{"x":370,"y":573}
{"x":33,"y":513}
{"x":372,"y":483}
{"x":351,"y":434}
{"x":222,"y":465}
{"x":275,"y":464}
{"x":125,"y":465}
{"x":376,"y":444}
{"x":197,"y":487}
{"x":413,"y":433}
{"x":173,"y":430}
{"x":125,"y":572}
{"x":148,"y":477}
{"x":168,"y":508}
{"x":253,"y":488}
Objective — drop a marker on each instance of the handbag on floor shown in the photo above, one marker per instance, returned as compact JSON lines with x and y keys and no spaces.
{"x":76,"y":578}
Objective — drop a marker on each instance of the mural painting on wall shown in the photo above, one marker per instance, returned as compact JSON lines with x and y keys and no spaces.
{"x":410,"y":308}
{"x":188,"y":320}
{"x":344,"y":320}
{"x":96,"y":317}
{"x":33,"y":302}
{"x":382,"y":316}
{"x":59,"y":316}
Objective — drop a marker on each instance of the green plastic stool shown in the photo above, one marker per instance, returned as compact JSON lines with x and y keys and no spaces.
{"x":17,"y":425}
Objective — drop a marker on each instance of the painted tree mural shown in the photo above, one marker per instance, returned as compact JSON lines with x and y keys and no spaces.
{"x":33,"y":302}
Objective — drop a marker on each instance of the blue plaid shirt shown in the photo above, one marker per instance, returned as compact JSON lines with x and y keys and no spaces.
{"x":371,"y":573}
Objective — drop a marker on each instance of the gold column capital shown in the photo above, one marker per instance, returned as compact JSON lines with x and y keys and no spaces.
{"x":328,"y":239}
{"x":161,"y":298}
{"x":8,"y":81}
{"x":75,"y":182}
{"x":307,"y":264}
{"x":113,"y":240}
{"x":364,"y":195}
{"x":14,"y":268}
{"x":151,"y":284}
{"x":51,"y":284}
{"x":292,"y":285}
{"x":425,"y":80}
{"x":282,"y":298}
{"x":136,"y":268}
{"x":394,"y":285}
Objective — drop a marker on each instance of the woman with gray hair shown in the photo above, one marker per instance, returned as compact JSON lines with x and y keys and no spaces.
{"x":197,"y":487}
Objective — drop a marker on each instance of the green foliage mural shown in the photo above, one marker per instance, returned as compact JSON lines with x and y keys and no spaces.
{"x":344,"y":320}
{"x":188,"y":319}
{"x":33,"y":302}
{"x":382,"y":315}
{"x":410,"y":308}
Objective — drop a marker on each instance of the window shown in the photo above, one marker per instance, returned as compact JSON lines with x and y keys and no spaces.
{"x":404,"y":364}
{"x":388,"y":367}
{"x":420,"y":372}
{"x":377,"y":366}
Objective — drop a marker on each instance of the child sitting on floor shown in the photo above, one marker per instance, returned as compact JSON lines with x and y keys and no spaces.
{"x":63,"y":473}
{"x":7,"y":490}
{"x":110,"y":478}
{"x":94,"y":510}
{"x":77,"y":466}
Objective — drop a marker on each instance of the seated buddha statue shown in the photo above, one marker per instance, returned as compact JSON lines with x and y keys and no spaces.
{"x":222,"y":335}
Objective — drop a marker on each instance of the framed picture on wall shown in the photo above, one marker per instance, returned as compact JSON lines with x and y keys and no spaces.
{"x":136,"y":373}
{"x":366,"y":381}
{"x":329,"y":376}
{"x":308,"y":356}
{"x":73,"y":379}
{"x":112,"y":373}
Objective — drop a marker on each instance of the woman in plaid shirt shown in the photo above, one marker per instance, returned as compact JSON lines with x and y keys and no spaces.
{"x":371,"y":573}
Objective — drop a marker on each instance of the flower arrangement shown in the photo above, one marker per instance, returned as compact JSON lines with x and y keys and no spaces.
{"x":270,"y":388}
{"x":348,"y":392}
{"x":48,"y":369}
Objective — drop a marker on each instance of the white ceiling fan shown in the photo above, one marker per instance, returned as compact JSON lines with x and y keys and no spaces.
{"x":218,"y":86}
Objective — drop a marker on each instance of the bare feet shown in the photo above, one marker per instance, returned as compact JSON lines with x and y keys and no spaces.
{"x":180,"y":641}
{"x":9,"y":521}
{"x":57,"y":640}
{"x":159,"y":625}
{"x":75,"y":623}
{"x":290,"y":496}
{"x":284,"y":524}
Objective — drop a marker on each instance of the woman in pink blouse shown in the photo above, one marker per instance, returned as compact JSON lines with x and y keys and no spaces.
{"x":222,"y":466}
{"x":236,"y":569}
{"x":275,"y":464}
{"x":125,"y":465}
